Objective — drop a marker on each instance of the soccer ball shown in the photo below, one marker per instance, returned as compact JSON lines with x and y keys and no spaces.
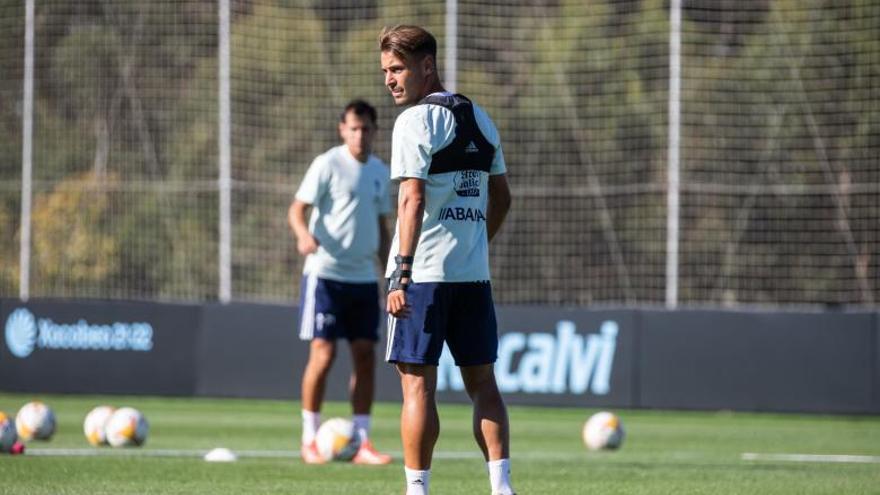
{"x":127,"y":427}
{"x":8,"y":435}
{"x":603,"y":430}
{"x":94,"y":424}
{"x":35,"y":420}
{"x":336,"y":440}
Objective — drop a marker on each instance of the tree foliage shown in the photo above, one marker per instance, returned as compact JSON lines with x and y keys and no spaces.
{"x":776,"y":94}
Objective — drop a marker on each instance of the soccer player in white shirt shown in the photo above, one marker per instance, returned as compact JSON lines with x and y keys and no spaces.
{"x":347,"y":191}
{"x":453,"y":198}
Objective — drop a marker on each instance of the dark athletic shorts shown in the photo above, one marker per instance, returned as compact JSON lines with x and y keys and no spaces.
{"x":331,"y":310}
{"x":460,"y":313}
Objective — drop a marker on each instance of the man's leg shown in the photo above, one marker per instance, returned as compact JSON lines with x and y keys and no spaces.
{"x":418,"y":338}
{"x":491,"y":428}
{"x":490,"y":424}
{"x":362,"y":386}
{"x":321,"y":354}
{"x":419,"y":422}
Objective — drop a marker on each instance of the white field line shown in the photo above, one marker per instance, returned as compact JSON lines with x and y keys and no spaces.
{"x":450,"y":455}
{"x":858,"y":459}
{"x":134,"y":452}
{"x":264,"y":454}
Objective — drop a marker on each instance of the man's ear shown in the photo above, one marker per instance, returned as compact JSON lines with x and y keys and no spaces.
{"x":428,"y":64}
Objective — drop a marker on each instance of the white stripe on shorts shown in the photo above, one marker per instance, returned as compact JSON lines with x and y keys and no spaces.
{"x":392,"y":322}
{"x":307,"y":325}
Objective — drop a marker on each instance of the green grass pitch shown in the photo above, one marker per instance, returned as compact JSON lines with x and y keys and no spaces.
{"x":664,"y":453}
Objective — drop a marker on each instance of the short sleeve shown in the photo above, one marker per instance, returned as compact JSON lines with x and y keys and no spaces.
{"x":314,"y":184}
{"x":410,"y":146}
{"x":418,"y":133}
{"x":498,"y":166}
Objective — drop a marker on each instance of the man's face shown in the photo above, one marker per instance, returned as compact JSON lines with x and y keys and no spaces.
{"x":357,"y":132}
{"x":406,"y":79}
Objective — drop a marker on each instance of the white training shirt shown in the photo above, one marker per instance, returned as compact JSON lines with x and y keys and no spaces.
{"x":453,"y":246}
{"x":347,"y":199}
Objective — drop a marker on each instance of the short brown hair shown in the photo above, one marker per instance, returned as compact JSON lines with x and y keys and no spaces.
{"x":406,"y":41}
{"x":360,"y":108}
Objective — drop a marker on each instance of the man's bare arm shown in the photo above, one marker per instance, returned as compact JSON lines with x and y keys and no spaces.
{"x":499,"y":203}
{"x":384,"y":241}
{"x":410,"y":209}
{"x":296,"y":218}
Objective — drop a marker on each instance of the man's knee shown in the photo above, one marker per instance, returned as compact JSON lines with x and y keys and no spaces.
{"x":321,"y":353}
{"x":363,"y":354}
{"x":479,"y":380}
{"x":417,"y":380}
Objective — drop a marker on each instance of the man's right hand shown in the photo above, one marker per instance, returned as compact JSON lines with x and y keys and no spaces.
{"x":307,"y":244}
{"x":395,"y":304}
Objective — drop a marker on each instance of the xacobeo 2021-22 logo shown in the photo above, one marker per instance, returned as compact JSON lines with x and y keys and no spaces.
{"x":26,"y":333}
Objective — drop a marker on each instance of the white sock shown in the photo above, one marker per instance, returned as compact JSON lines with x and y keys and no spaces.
{"x":311,"y":422}
{"x":499,"y":476}
{"x":417,"y":481}
{"x":361,"y":426}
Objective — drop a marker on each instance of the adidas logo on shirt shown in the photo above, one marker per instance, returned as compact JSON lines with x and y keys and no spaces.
{"x":471,"y":148}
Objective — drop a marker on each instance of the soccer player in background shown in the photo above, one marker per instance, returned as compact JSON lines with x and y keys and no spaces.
{"x":453,"y":198}
{"x":347,"y":191}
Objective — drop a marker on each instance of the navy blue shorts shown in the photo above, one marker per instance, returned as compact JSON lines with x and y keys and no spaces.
{"x":460,"y":313}
{"x":331,"y":310}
